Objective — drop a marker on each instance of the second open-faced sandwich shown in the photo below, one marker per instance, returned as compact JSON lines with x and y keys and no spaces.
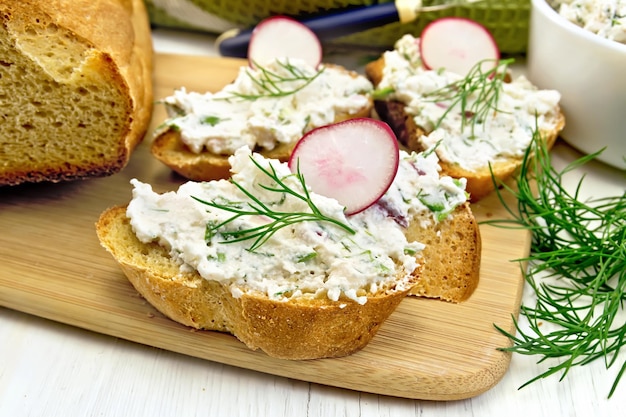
{"x":439,"y":90}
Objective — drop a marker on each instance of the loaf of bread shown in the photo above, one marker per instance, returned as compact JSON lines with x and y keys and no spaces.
{"x":75,"y":87}
{"x":268,"y":109}
{"x":469,"y":147}
{"x":312,"y":290}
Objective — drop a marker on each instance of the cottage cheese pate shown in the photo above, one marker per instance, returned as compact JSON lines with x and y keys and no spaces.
{"x":503,"y":134}
{"x":267,"y":106}
{"x":606,"y":18}
{"x":309,"y":258}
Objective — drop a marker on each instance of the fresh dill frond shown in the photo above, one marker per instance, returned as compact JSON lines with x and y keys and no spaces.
{"x":476,"y":95}
{"x":273,"y":84}
{"x":255,"y":207}
{"x":576,"y":268}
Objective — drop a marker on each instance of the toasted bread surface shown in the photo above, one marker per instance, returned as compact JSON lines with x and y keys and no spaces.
{"x":79,"y":74}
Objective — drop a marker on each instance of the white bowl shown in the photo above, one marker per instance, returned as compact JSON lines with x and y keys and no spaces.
{"x":590,"y":73}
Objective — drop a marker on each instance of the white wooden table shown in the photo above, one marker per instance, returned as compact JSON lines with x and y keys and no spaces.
{"x":50,"y":369}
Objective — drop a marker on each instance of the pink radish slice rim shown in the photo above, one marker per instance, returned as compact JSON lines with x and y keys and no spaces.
{"x":283,"y":37}
{"x":457,"y":44}
{"x":354,"y":161}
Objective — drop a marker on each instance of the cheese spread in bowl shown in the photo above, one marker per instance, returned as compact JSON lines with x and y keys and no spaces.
{"x":339,"y":256}
{"x":266,"y":106}
{"x":605,"y":18}
{"x":587,"y":68}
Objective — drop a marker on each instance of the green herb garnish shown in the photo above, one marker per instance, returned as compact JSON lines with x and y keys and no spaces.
{"x":410,"y":251}
{"x":307,"y":257}
{"x":211,"y":120}
{"x":577,"y":268}
{"x":273,"y":84}
{"x":219,"y":258}
{"x":434,"y":204}
{"x":382,"y":93}
{"x":477,"y":94}
{"x":255,"y":207}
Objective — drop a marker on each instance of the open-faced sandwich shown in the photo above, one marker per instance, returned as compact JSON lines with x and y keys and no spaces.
{"x":266,"y":109}
{"x":304,"y":259}
{"x":274,"y":100}
{"x":435,"y":90}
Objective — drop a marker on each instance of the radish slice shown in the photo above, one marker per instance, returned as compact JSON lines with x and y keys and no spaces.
{"x":283,"y":37}
{"x":457,"y":44}
{"x":354,"y":161}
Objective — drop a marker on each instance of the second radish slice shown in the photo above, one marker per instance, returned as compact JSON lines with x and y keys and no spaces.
{"x":354,"y":161}
{"x":283,"y":37}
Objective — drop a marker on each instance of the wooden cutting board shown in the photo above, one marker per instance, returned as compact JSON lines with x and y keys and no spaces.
{"x":52,"y":266}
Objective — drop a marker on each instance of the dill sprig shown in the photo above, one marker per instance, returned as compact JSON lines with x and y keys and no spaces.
{"x":255,"y":207}
{"x":477,"y":94}
{"x":274,"y":84}
{"x":576,"y":267}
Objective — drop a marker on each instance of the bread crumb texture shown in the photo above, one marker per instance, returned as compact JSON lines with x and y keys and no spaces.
{"x":65,"y":108}
{"x":452,"y":256}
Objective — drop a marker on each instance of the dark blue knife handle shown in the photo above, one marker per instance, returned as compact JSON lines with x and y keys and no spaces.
{"x":326,"y":27}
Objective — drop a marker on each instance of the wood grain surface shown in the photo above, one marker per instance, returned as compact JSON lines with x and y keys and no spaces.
{"x":52,"y":266}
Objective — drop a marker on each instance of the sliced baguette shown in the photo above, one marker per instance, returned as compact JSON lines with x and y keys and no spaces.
{"x":480,"y":182}
{"x":169,"y":148}
{"x":301,"y":328}
{"x":76,"y":83}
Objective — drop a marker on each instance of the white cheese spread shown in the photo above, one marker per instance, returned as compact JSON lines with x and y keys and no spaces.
{"x":304,"y":259}
{"x":472,"y":144}
{"x":266,"y":106}
{"x":606,"y":18}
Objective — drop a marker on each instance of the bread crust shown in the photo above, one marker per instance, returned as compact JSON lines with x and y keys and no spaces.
{"x":169,"y":148}
{"x":480,"y":183}
{"x":300,"y":328}
{"x":452,"y":256}
{"x":115,"y":38}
